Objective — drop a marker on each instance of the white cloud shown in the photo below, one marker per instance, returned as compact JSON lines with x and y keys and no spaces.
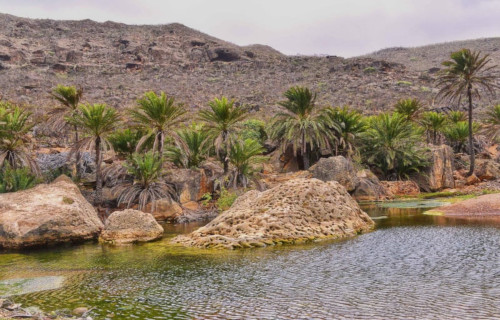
{"x":339,"y":27}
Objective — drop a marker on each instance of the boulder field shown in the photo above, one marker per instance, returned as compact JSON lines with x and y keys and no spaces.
{"x":47,"y":214}
{"x":295,"y":211}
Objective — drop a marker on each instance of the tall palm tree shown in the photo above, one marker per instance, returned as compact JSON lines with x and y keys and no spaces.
{"x":96,"y":121}
{"x":464,"y":75}
{"x":191,"y":149}
{"x":302,"y":124}
{"x":492,"y":123}
{"x":433,"y":123}
{"x":222,"y":121}
{"x":158,"y":115}
{"x":69,"y":97}
{"x":351,"y":125}
{"x":409,"y":108}
{"x":244,"y":156}
{"x":14,"y":128}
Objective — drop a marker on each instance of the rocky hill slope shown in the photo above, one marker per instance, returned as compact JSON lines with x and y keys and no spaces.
{"x":115,"y":63}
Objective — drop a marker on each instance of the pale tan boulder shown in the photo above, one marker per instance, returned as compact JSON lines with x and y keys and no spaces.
{"x":47,"y":214}
{"x":400,"y":188}
{"x":295,"y":211}
{"x":128,"y":226}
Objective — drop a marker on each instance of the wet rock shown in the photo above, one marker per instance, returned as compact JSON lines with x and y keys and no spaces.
{"x":46,"y":214}
{"x":337,"y":169}
{"x":295,"y":211}
{"x":130,"y":226}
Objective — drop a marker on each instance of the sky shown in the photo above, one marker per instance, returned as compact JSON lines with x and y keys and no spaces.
{"x":336,"y":27}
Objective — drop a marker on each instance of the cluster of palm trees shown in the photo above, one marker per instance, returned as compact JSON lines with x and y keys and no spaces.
{"x":159,"y":129}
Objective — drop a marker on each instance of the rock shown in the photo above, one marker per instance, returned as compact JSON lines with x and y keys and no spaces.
{"x":472,"y":179}
{"x":400,"y":188}
{"x":47,"y":214}
{"x":487,"y":169}
{"x":165,"y":210}
{"x":440,"y":173}
{"x":223,"y":54}
{"x":80,"y":311}
{"x":271,"y":181}
{"x":337,"y":169}
{"x":369,"y":187}
{"x":295,"y":211}
{"x":191,"y":184}
{"x":129,"y":226}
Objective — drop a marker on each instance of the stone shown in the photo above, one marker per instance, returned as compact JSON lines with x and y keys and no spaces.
{"x":337,"y":169}
{"x":487,"y":169}
{"x":400,"y":188}
{"x":80,"y":311}
{"x":128,"y":226}
{"x":369,"y":187}
{"x":472,"y":179}
{"x":440,"y":172}
{"x":483,"y":206}
{"x":47,"y":214}
{"x":223,"y":54}
{"x":296,"y":211}
{"x":191,"y":184}
{"x":165,"y":210}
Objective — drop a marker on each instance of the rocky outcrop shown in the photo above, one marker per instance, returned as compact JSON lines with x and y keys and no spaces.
{"x":190,"y":184}
{"x":440,"y":172}
{"x":130,"y":226}
{"x":487,"y":169}
{"x":369,"y":187}
{"x":295,"y":211}
{"x":46,"y":214}
{"x":337,"y":169}
{"x":400,"y":188}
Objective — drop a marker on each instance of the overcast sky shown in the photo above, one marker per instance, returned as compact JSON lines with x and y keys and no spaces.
{"x":337,"y":27}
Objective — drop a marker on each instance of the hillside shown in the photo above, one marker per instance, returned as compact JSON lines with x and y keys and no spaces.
{"x":115,"y":63}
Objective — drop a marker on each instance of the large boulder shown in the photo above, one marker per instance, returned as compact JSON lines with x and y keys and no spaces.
{"x":487,"y":169}
{"x":295,"y":211}
{"x":440,"y":172}
{"x":369,"y":187}
{"x":337,"y":169}
{"x":400,"y":188}
{"x":130,"y":226}
{"x":47,"y":214}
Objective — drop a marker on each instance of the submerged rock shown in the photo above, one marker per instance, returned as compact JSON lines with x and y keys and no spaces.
{"x":295,"y":211}
{"x":130,"y":226}
{"x":47,"y":214}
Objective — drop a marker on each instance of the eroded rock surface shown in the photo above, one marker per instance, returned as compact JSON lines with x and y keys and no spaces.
{"x":337,"y":169}
{"x":47,"y":214}
{"x":128,"y":226}
{"x":297,"y":210}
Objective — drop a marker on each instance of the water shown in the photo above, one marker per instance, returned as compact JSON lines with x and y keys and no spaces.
{"x":412,"y":266}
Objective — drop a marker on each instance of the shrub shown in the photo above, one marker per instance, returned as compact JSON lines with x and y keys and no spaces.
{"x":226,"y":199}
{"x":254,"y":129}
{"x":125,"y":141}
{"x":12,"y":180}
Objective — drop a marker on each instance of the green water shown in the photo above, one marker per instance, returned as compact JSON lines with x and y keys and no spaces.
{"x":411,"y":266}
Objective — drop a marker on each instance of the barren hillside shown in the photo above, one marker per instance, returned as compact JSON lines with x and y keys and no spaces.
{"x":115,"y":63}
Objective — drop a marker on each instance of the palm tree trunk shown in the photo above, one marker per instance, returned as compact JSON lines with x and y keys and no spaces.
{"x":78,"y":155}
{"x":225,"y":159}
{"x":98,"y":177}
{"x":471,"y":145}
{"x":305,"y":156}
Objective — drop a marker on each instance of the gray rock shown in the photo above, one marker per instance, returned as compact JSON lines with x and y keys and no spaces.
{"x":337,"y":169}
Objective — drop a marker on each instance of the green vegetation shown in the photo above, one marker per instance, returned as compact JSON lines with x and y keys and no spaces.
{"x":97,"y":121}
{"x":12,"y":180}
{"x":226,"y":199}
{"x":492,"y":123}
{"x":245,"y":156}
{"x":147,"y":186}
{"x":192,"y":148}
{"x":458,"y":133}
{"x":350,"y":126}
{"x":409,"y":108}
{"x":302,"y":124}
{"x":254,"y":129}
{"x":222,"y":122}
{"x":433,"y":123}
{"x":464,"y":75}
{"x":125,"y":141}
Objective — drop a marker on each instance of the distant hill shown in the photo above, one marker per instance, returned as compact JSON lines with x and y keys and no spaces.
{"x":115,"y":63}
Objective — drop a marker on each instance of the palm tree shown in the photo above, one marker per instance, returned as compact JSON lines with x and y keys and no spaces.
{"x":351,"y":125}
{"x":222,"y":121}
{"x":492,"y":123}
{"x":244,"y":156}
{"x":433,"y":123}
{"x":465,"y":74}
{"x":392,"y":144}
{"x":159,"y":116}
{"x":302,"y":125}
{"x":409,"y":108}
{"x":458,"y":133}
{"x":69,"y":97}
{"x":146,"y":188}
{"x":14,"y":128}
{"x":97,"y":121}
{"x":191,"y":149}
{"x":456,"y":116}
